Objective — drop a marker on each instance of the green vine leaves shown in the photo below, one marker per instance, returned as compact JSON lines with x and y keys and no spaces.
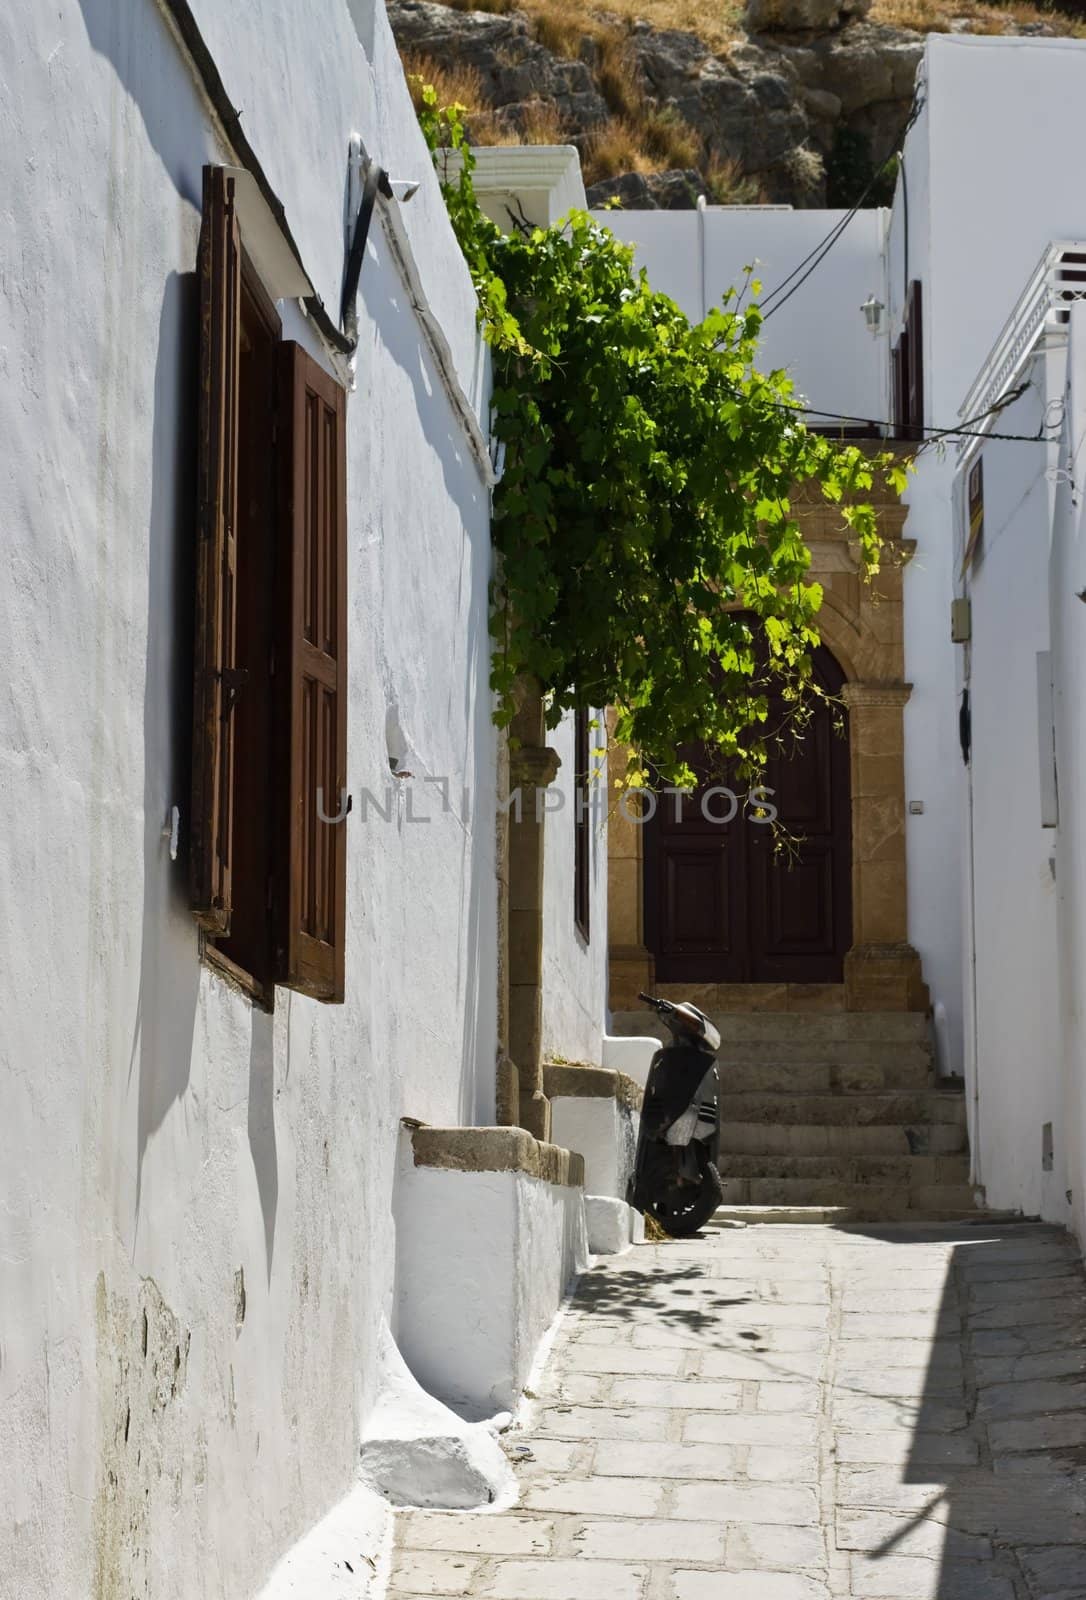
{"x":643,"y":521}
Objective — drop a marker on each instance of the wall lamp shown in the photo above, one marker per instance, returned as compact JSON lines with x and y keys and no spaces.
{"x":377,"y":181}
{"x":873,"y":310}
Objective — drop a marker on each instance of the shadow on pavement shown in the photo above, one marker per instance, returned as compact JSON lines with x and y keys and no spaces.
{"x":994,"y":1481}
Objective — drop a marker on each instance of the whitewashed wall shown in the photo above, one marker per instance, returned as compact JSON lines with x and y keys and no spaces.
{"x":166,"y":1151}
{"x":1018,"y":1047}
{"x":1068,"y":580}
{"x":990,"y":170}
{"x":574,"y":969}
{"x":819,"y":335}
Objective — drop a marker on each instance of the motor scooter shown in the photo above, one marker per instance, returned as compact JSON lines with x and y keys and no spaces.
{"x":675,"y":1177}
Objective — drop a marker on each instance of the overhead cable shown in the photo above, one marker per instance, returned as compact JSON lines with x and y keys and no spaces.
{"x":815,"y":257}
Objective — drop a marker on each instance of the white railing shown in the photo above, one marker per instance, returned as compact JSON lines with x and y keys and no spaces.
{"x":1059,"y":277}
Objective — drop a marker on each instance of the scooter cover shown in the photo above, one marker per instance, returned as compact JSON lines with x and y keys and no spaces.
{"x":674,"y":1080}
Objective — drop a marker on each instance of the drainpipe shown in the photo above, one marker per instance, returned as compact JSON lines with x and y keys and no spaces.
{"x":702,"y":202}
{"x":971,"y":913}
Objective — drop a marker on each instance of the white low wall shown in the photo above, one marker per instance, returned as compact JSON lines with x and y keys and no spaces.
{"x":483,"y":1259}
{"x":631,"y":1055}
{"x":604,"y":1132}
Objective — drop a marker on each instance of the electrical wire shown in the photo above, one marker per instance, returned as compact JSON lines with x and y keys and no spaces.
{"x":964,"y":430}
{"x":816,"y":256}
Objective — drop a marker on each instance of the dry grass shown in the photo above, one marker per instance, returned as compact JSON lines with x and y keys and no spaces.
{"x":640,"y":137}
{"x":935,"y":16}
{"x":719,"y":25}
{"x":539,"y":124}
{"x":558,"y":26}
{"x":613,"y":149}
{"x":669,"y":140}
{"x":461,"y":86}
{"x":727,"y":185}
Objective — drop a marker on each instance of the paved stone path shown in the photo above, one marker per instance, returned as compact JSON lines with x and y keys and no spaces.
{"x":796,"y":1413}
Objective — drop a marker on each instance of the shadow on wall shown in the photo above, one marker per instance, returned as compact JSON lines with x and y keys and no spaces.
{"x":169,"y":970}
{"x":388,"y":310}
{"x":992,"y":1485}
{"x":134,"y":38}
{"x":262,"y":1146}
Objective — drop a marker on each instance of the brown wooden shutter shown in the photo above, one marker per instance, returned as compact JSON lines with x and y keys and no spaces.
{"x":582,"y":837}
{"x":898,"y":363}
{"x":915,"y":371}
{"x":311,"y":907}
{"x":215,"y":681}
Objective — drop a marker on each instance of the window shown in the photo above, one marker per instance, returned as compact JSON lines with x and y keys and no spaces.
{"x":582,"y":836}
{"x":907,"y":363}
{"x":268,"y":855}
{"x":974,"y":543}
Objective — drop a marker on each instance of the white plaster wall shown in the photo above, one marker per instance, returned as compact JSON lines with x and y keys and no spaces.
{"x":991,"y":173}
{"x":1007,"y":120}
{"x":574,"y":970}
{"x":604,"y":1132}
{"x":630,"y":1055}
{"x":1068,"y":579}
{"x":161,"y":1138}
{"x":819,"y":335}
{"x":484,"y":1261}
{"x":1019,"y":1067}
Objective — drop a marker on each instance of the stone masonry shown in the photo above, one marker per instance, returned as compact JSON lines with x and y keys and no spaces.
{"x":840,"y":1112}
{"x":795,"y":1413}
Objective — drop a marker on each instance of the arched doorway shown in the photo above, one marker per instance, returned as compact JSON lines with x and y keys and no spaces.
{"x":722,"y":904}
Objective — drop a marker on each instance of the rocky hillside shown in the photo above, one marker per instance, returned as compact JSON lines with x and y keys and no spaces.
{"x":797,"y":101}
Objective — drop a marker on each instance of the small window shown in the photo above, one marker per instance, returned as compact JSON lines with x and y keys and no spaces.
{"x":974,"y":541}
{"x":582,"y":827}
{"x":268,"y":841}
{"x":907,"y":363}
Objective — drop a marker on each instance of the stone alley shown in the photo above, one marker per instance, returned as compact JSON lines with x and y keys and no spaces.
{"x":795,"y":1413}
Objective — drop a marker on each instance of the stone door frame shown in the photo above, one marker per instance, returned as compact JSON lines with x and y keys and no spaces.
{"x":862,"y":624}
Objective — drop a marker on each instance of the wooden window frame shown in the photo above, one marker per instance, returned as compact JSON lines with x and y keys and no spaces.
{"x":256,"y":979}
{"x":907,"y":368}
{"x":314,"y":850}
{"x":302,"y":495}
{"x":582,"y":824}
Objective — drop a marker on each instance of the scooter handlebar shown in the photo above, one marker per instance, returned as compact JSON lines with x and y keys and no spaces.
{"x":657,"y":1005}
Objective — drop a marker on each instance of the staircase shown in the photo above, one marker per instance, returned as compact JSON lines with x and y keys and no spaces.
{"x":838,"y":1113}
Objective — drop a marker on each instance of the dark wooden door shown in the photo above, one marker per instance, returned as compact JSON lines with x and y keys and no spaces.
{"x":722,"y":903}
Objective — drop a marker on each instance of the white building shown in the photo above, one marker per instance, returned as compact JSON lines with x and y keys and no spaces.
{"x":212,"y":1209}
{"x":989,"y":184}
{"x":1017,"y":575}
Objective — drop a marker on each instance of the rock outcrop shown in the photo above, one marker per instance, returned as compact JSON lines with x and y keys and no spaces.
{"x":806,"y":106}
{"x":650,"y":191}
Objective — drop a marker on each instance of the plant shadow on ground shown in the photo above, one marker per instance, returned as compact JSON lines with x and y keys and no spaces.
{"x":993,"y":1483}
{"x":681,"y":1295}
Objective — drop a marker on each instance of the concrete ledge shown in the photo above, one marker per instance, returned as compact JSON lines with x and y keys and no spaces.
{"x":490,"y":1231}
{"x":576,"y":1080}
{"x":613,"y":1226}
{"x":630,"y":1054}
{"x":496,"y":1150}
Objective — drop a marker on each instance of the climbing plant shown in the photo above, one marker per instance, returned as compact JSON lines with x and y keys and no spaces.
{"x":643,"y":517}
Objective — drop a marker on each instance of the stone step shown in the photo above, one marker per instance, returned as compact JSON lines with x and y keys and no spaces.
{"x":838,"y":1052}
{"x":910,"y":1171}
{"x":844,"y":1027}
{"x":879,"y":1027}
{"x":877,"y":1199}
{"x":861,"y":1110}
{"x":841,"y":1216}
{"x":797,"y":1138}
{"x":774,"y":1075}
